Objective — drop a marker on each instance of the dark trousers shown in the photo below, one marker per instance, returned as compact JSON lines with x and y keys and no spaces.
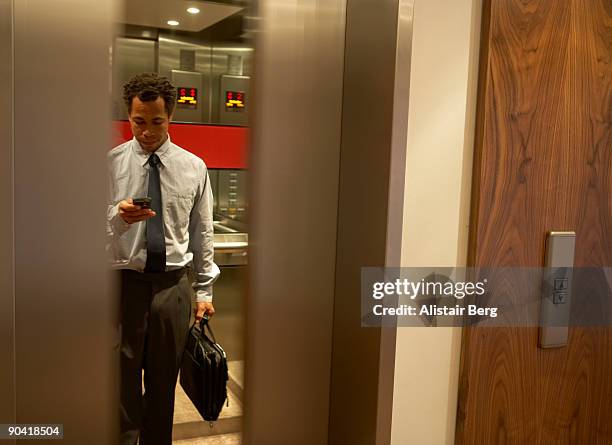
{"x":155,"y":313}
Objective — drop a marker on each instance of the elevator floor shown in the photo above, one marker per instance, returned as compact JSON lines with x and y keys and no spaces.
{"x":223,"y":439}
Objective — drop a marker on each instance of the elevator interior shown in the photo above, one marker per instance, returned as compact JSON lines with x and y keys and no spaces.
{"x":208,"y":57}
{"x":211,"y":69}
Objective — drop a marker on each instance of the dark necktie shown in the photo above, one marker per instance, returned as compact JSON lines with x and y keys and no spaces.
{"x":156,"y":241}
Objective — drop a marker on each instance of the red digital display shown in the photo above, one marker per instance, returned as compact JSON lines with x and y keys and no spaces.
{"x":234,"y":100}
{"x":187,"y":96}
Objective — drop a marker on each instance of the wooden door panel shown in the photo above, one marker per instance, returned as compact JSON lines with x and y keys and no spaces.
{"x":543,"y":161}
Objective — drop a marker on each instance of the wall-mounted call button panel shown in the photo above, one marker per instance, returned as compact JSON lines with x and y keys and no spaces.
{"x":556,"y":289}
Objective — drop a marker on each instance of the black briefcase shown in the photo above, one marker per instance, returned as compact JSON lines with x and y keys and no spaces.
{"x":204,"y":372}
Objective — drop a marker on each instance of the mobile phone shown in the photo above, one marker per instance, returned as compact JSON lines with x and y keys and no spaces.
{"x":144,"y":203}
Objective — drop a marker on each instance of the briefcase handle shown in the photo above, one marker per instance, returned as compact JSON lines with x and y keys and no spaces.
{"x":204,"y":324}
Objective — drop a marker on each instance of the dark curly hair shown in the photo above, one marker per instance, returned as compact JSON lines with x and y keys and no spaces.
{"x":148,"y":87}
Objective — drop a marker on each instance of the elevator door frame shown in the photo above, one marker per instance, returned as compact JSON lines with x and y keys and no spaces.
{"x":346,"y":121}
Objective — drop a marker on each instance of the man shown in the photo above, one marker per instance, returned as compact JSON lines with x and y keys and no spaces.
{"x":152,"y":247}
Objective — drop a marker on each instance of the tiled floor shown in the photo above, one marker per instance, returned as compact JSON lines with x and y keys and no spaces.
{"x":224,"y":439}
{"x":236,"y":371}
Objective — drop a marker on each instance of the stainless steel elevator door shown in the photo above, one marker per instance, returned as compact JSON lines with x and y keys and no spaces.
{"x":64,"y":310}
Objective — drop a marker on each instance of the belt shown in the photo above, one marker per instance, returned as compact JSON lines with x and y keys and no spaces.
{"x":169,"y":275}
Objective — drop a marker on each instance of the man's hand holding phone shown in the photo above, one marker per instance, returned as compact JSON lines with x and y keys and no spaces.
{"x":135,"y":210}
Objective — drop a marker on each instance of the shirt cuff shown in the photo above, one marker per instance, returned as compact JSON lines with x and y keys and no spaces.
{"x":203,"y":296}
{"x":118,"y":225}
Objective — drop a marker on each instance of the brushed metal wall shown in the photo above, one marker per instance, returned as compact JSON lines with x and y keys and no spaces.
{"x":7,"y":295}
{"x":294,"y":162}
{"x":170,"y":47}
{"x":64,"y":308}
{"x":221,"y":53}
{"x":130,"y":57}
{"x":137,"y":55}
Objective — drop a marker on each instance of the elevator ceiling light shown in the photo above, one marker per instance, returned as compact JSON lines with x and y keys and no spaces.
{"x":193,"y":10}
{"x":173,"y":23}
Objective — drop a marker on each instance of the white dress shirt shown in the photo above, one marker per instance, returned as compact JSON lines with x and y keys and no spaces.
{"x":187,"y":211}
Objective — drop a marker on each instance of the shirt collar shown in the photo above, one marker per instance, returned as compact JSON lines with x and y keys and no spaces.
{"x":162,"y":152}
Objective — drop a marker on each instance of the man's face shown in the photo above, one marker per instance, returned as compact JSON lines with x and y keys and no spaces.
{"x":149,"y":121}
